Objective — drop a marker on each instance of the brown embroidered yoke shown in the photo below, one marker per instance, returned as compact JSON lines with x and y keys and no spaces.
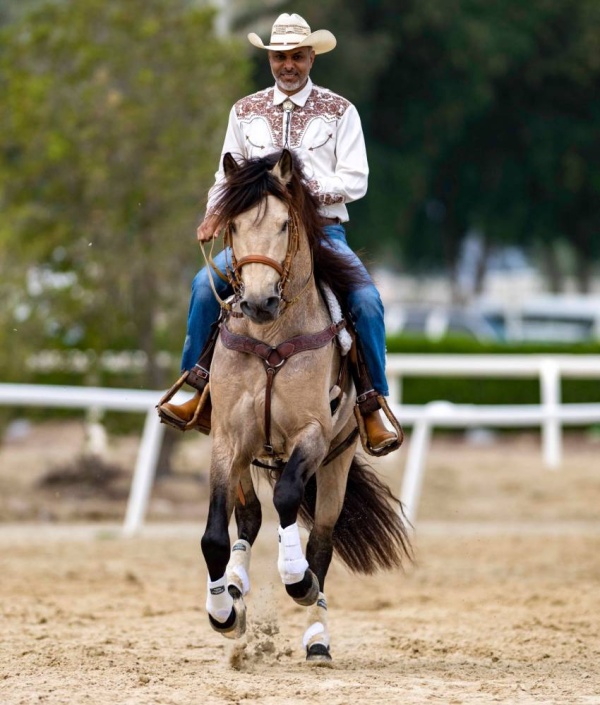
{"x":322,"y":128}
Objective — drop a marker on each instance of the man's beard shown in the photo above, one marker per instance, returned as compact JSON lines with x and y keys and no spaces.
{"x":294,"y":85}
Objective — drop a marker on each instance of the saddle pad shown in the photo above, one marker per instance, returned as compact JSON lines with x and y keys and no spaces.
{"x":335,"y":311}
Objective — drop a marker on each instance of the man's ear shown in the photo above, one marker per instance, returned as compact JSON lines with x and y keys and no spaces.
{"x":229,"y":164}
{"x":284,"y":168}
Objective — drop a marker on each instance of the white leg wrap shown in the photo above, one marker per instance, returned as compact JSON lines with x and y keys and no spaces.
{"x":317,"y":632}
{"x":291,"y":563}
{"x":239,"y":565}
{"x":218,"y":602}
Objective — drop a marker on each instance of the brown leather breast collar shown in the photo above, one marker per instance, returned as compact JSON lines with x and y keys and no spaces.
{"x":273,"y":358}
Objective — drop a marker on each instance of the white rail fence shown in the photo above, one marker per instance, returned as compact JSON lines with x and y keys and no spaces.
{"x":550,"y":415}
{"x":127,"y":400}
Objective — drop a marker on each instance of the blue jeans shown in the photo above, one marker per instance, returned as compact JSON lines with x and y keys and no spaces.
{"x":364,"y":304}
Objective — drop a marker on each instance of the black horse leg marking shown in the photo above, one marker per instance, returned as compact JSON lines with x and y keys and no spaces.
{"x":331,"y":488}
{"x":316,"y":637}
{"x":224,"y":614}
{"x":300,"y":582}
{"x":289,"y":488}
{"x":248,"y":516}
{"x":319,"y":552}
{"x":215,"y":541}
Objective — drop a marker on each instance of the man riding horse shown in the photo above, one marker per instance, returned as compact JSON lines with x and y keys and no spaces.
{"x":325,"y":131}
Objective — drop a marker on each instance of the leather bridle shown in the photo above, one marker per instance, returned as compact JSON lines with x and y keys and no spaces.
{"x":232,"y":273}
{"x":283,"y":268}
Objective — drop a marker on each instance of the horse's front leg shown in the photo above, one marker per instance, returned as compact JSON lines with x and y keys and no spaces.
{"x":248,"y":516}
{"x":300,"y":582}
{"x":226,"y":612}
{"x":331,"y":488}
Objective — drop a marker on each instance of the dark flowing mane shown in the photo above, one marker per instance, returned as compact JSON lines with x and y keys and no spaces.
{"x":246,"y":187}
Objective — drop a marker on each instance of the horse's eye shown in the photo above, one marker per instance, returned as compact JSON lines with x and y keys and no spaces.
{"x":284,"y":227}
{"x":232,"y":228}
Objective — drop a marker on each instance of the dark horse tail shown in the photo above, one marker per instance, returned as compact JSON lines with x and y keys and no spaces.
{"x":370,"y":533}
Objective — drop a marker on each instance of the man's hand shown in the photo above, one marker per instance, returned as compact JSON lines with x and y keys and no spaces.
{"x":207,"y":230}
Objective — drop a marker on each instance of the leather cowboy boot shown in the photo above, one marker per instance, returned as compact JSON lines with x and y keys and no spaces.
{"x":183,"y":412}
{"x":378,"y":435}
{"x":196,"y":412}
{"x":376,"y":438}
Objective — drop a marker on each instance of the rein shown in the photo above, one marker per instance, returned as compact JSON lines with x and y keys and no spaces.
{"x":274,"y":358}
{"x":210,"y":264}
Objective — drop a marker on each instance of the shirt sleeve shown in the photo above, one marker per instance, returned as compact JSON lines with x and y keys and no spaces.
{"x":350,"y":179}
{"x":234,"y":143}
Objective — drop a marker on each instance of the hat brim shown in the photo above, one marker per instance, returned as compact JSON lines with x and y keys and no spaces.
{"x":321,"y":42}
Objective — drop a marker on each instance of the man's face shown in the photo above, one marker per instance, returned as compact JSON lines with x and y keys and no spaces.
{"x":290,"y":69}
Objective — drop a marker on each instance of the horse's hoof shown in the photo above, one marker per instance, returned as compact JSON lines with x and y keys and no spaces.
{"x":318,"y":655}
{"x":235,"y":626}
{"x":306,"y":592}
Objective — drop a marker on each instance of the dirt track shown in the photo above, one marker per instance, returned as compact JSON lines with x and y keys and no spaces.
{"x":503,"y":604}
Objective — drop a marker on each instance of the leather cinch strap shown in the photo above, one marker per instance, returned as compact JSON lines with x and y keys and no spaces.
{"x":274,"y":358}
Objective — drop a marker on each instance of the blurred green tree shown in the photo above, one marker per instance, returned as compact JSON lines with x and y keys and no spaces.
{"x":112,"y":123}
{"x":476,"y":114}
{"x":559,"y":140}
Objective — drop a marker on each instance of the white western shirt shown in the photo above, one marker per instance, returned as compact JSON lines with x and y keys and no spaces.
{"x":323,"y":129}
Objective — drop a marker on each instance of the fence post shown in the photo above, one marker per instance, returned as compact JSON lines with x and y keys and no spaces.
{"x":395,"y":384}
{"x":414,"y":469}
{"x":143,"y":475}
{"x":550,"y":397}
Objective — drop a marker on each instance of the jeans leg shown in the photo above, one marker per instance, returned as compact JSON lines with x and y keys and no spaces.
{"x":204,"y":310}
{"x":366,"y":309}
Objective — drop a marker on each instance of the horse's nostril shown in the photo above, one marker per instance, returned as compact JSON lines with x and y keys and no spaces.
{"x":272,"y":303}
{"x":262,"y":312}
{"x":247,"y":309}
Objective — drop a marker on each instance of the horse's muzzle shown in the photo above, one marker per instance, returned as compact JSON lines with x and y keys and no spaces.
{"x":263,"y":311}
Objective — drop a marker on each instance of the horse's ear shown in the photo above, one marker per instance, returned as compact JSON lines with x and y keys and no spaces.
{"x":229,"y":164}
{"x":284,"y":167}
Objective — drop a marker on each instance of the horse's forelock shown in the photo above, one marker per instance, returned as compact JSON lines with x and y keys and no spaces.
{"x":247,"y":187}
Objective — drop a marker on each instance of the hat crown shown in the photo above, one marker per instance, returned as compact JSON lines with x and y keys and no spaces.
{"x":289,"y":29}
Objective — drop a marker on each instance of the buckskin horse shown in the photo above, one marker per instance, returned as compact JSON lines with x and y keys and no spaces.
{"x":281,"y":401}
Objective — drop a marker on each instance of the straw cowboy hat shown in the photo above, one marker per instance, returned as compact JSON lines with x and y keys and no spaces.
{"x":291,"y":32}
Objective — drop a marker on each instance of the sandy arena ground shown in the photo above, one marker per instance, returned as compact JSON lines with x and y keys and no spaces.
{"x":501,"y":606}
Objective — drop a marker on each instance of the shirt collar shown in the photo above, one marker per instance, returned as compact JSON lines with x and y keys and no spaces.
{"x":298,"y":99}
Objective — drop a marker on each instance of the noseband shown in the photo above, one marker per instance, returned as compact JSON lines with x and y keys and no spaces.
{"x":283,"y":268}
{"x":259,"y":259}
{"x":232,"y":274}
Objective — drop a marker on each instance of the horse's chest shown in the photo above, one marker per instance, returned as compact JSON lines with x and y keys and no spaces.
{"x":297,"y":393}
{"x":238,"y":375}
